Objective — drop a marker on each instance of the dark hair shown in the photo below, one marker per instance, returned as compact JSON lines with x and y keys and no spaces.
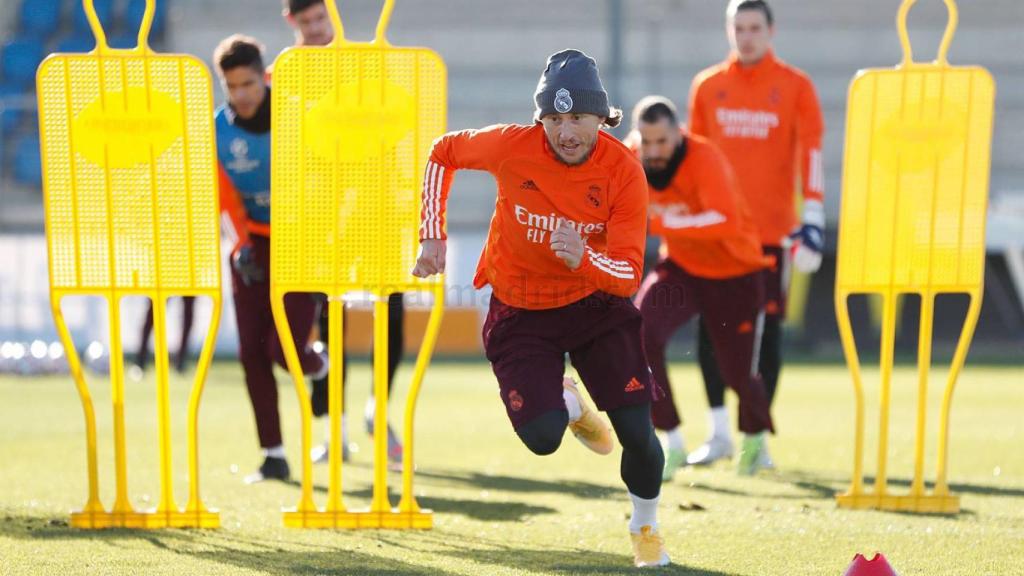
{"x":236,"y":51}
{"x":293,"y":7}
{"x":762,"y":5}
{"x":651,"y":109}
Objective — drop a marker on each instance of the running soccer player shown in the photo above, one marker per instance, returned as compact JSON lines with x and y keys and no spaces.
{"x":312,"y":25}
{"x":243,"y":154}
{"x":563,"y":255}
{"x":764,"y":115}
{"x":711,"y":266}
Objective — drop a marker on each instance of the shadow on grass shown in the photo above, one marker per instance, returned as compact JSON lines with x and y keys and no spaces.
{"x":578,"y":561}
{"x":268,"y":556}
{"x":340,"y":561}
{"x":475,"y":509}
{"x":546,"y":560}
{"x":828,"y":487}
{"x":550,"y":560}
{"x":222,"y":547}
{"x":818,"y":487}
{"x":493,"y":511}
{"x":517,"y":484}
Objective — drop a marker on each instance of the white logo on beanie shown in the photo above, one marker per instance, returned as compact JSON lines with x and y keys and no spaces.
{"x":563,"y":101}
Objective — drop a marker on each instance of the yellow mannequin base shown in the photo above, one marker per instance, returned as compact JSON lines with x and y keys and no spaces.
{"x":347,"y":520}
{"x":146,"y":520}
{"x":926,"y":503}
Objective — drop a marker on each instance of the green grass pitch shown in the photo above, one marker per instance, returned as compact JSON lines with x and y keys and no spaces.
{"x":501,"y":510}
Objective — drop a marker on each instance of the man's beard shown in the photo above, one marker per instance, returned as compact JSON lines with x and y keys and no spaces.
{"x":659,"y":179}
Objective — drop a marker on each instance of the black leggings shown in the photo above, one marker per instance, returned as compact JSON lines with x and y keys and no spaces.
{"x":187,"y":316}
{"x":396,"y":345}
{"x":642,"y":458}
{"x":769,"y":364}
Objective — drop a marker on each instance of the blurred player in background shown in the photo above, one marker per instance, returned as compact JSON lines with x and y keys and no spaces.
{"x":711,"y":266}
{"x":243,"y":154}
{"x":563,"y":255}
{"x":312,"y":25}
{"x":178,"y":361}
{"x":310,"y":21}
{"x":765,"y":116}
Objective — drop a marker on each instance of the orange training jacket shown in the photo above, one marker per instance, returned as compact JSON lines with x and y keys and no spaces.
{"x":704,"y":223}
{"x":767,"y":120}
{"x":604,"y":199}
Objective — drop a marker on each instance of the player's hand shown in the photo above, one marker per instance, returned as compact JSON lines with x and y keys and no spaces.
{"x":809,"y":238}
{"x":243,"y":262}
{"x":431,"y":259}
{"x":568,"y":245}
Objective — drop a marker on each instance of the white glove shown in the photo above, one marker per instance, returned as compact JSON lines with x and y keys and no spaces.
{"x":805,"y":260}
{"x":809,"y":238}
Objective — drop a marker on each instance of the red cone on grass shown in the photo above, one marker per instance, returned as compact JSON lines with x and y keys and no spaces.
{"x":877,"y":566}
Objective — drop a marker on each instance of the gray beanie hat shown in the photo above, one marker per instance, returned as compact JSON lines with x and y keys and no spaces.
{"x":571,"y":83}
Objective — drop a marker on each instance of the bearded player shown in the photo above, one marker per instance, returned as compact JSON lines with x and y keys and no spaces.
{"x":711,"y":267}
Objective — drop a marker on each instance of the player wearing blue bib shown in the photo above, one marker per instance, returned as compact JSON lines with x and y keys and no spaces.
{"x":243,"y":158}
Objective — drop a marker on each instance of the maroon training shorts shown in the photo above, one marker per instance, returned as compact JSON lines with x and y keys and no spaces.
{"x":601,"y":334}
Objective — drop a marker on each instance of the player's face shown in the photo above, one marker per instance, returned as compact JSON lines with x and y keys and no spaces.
{"x":572,"y":136}
{"x":658,"y":142}
{"x":246,"y":89}
{"x":750,"y":35}
{"x":312,"y":26}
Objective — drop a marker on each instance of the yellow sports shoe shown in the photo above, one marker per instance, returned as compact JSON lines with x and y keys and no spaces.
{"x":649,"y":549}
{"x":590,"y":429}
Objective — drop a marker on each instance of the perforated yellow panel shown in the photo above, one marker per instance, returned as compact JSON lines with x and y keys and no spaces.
{"x":352,"y":126}
{"x":130,"y":181}
{"x":915,"y":182}
{"x":129,"y":188}
{"x":915,"y":191}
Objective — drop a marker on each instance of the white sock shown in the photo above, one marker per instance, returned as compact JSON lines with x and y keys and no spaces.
{"x":322,"y":372}
{"x":720,"y":423}
{"x":370,"y":410}
{"x":675,"y":440}
{"x":274,"y":452}
{"x":572,"y":404}
{"x":645,"y":513}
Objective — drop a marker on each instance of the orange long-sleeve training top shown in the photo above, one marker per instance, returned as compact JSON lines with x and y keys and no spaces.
{"x":604,"y":199}
{"x":705,"y":225}
{"x":767,"y":120}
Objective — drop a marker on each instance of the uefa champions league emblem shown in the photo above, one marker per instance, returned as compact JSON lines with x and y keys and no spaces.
{"x":241,"y":162}
{"x":563,"y":101}
{"x":239,"y":148}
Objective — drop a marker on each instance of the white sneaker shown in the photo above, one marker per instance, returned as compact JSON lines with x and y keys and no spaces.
{"x":320,"y":453}
{"x":713,"y":450}
{"x":136,"y":373}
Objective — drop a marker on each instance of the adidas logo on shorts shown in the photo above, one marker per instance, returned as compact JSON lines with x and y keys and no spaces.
{"x":634,"y":385}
